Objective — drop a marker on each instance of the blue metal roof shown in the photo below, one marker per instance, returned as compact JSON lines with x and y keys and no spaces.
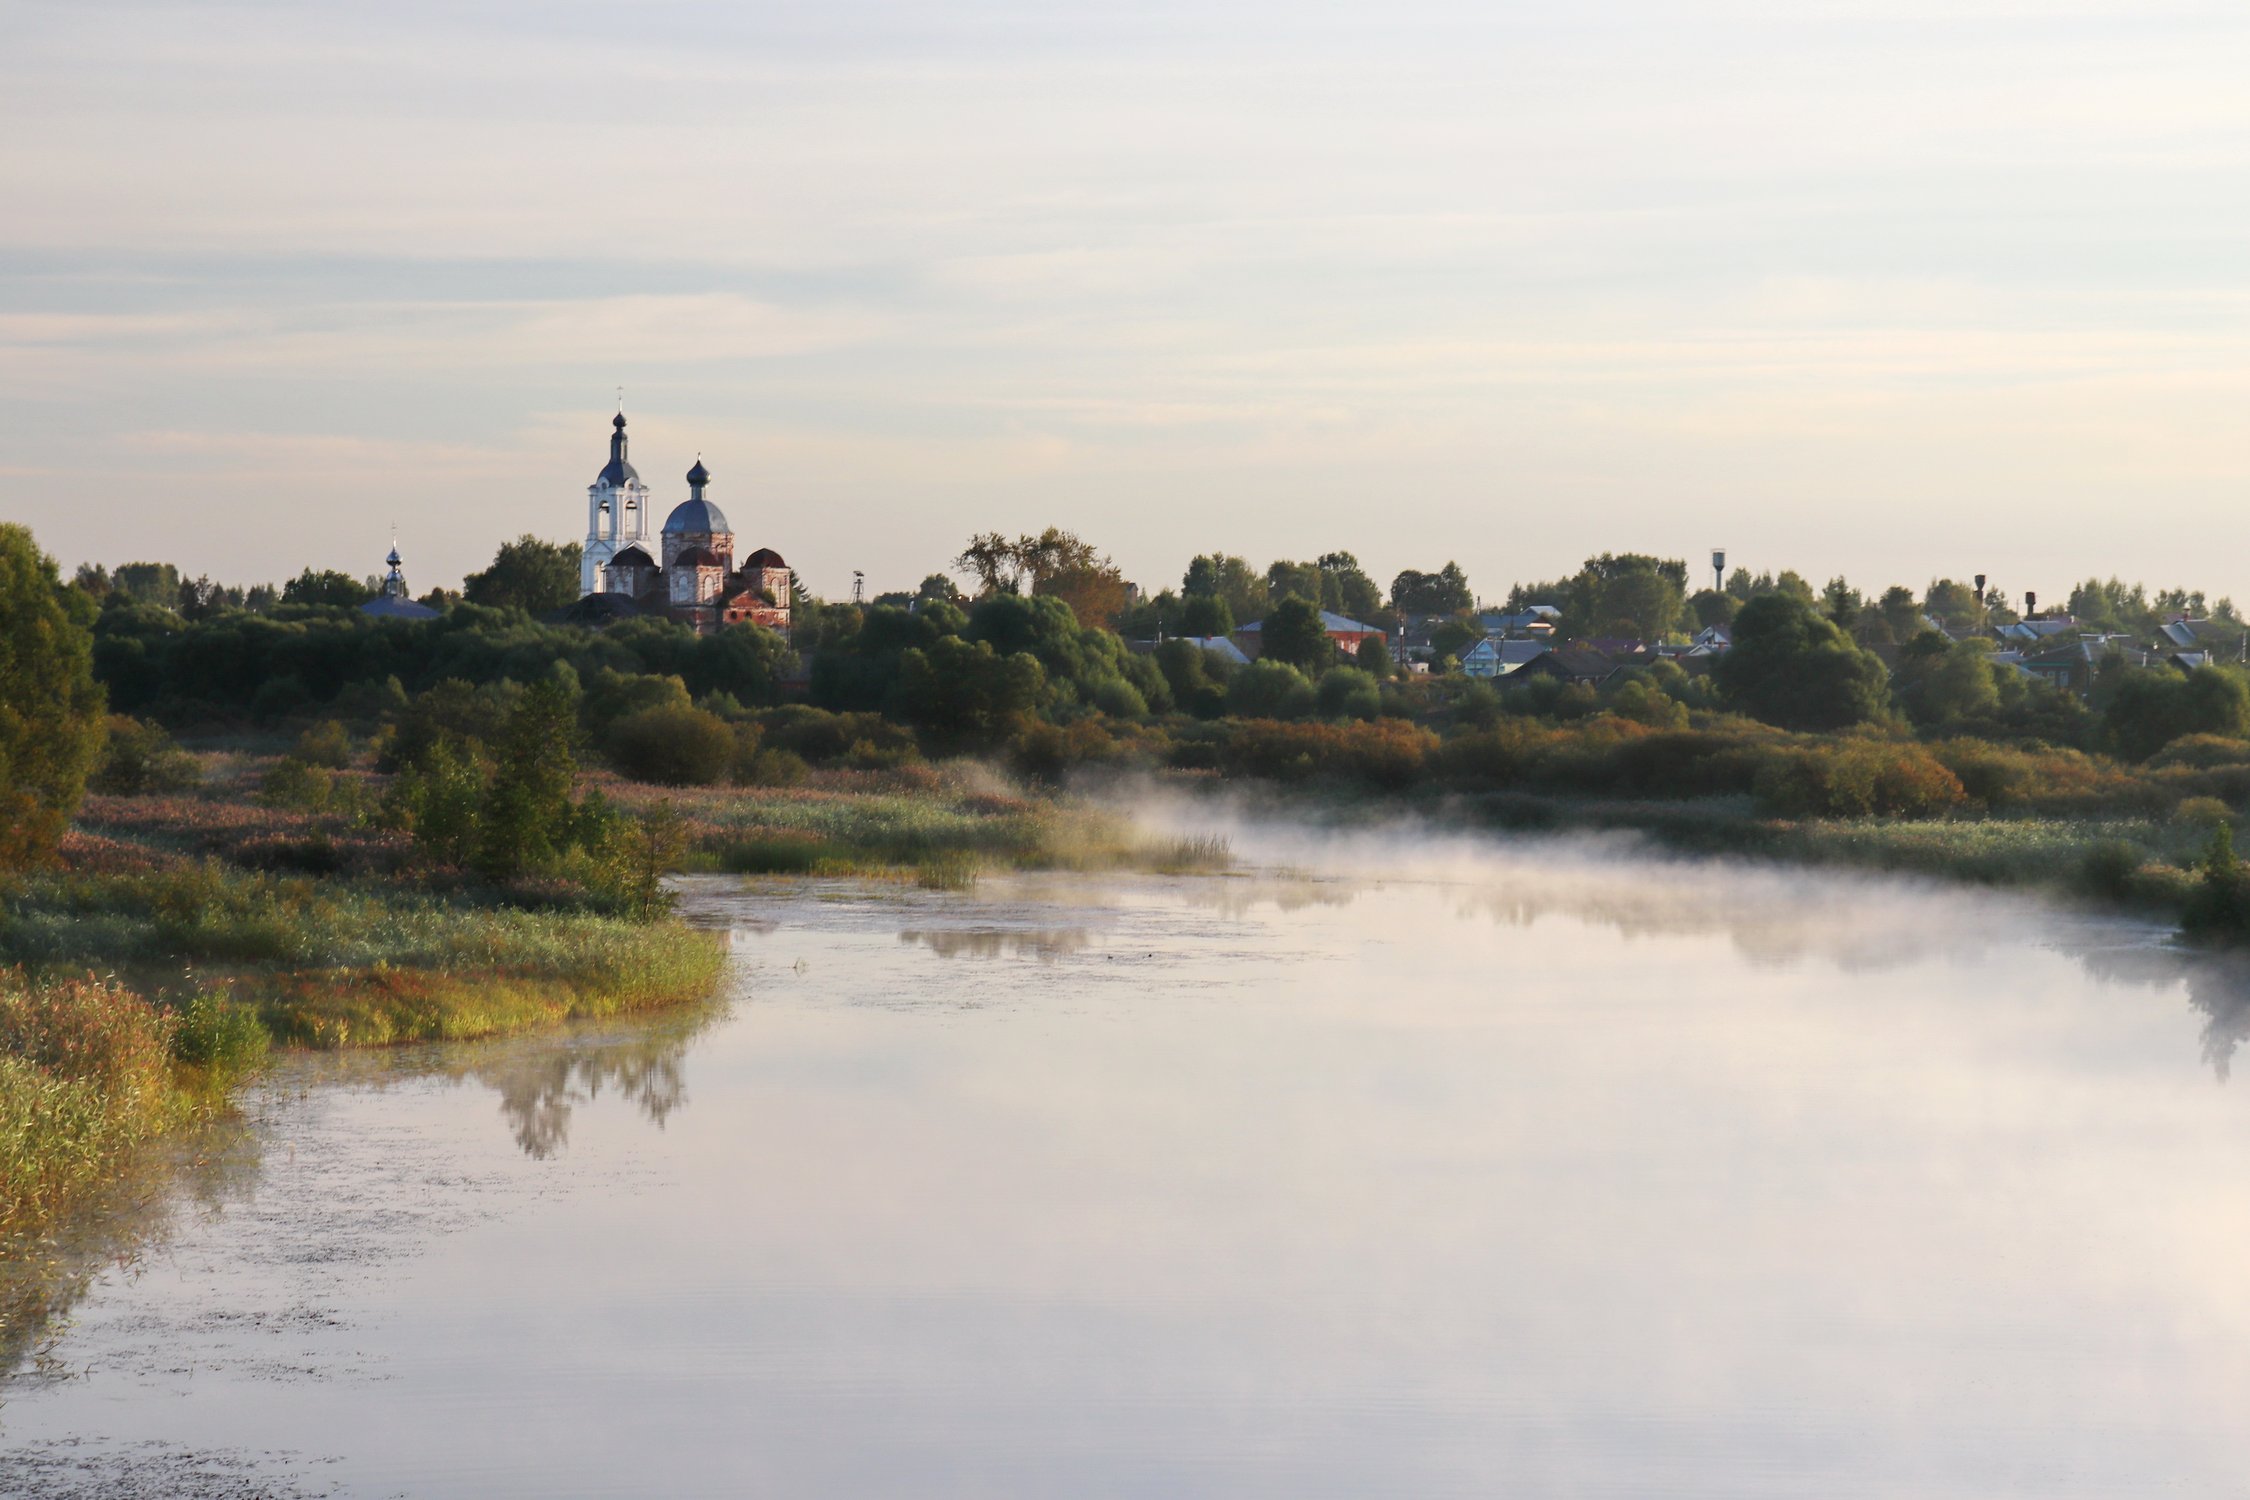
{"x":696,"y":517}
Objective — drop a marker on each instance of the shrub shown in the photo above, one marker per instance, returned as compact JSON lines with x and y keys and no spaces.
{"x":1268,"y":689}
{"x":226,"y":1040}
{"x":1349,"y":693}
{"x":1387,"y":753}
{"x":2202,"y":752}
{"x":327,"y":744}
{"x":2218,"y":908}
{"x":292,"y":783}
{"x":676,"y":745}
{"x":1857,"y":779}
{"x":2203,"y":812}
{"x":139,"y":758}
{"x":1120,"y":699}
{"x":764,"y":767}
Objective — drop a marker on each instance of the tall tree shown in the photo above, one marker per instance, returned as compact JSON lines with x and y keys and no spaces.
{"x":1791,"y":666}
{"x":327,"y":586}
{"x":527,"y":574}
{"x":1292,"y":633}
{"x":1445,"y":592}
{"x":1217,"y":575}
{"x":526,"y":817}
{"x":50,"y":706}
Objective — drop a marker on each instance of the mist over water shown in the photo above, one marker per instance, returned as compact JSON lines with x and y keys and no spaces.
{"x":1397,"y":1161}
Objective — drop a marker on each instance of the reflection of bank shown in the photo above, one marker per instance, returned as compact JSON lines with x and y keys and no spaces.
{"x":192,"y":1175}
{"x":539,"y":1086}
{"x":2218,"y":985}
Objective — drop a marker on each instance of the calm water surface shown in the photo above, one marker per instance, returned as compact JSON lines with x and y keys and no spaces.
{"x":1418,"y":1171}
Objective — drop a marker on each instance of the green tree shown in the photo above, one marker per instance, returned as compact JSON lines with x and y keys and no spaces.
{"x":438,"y":797}
{"x":147,"y":583}
{"x":1268,"y":689}
{"x":1217,"y":575}
{"x":1791,"y":666}
{"x":1346,"y":588}
{"x":1940,"y":681}
{"x":1956,"y":604}
{"x":1293,"y":580}
{"x":1373,"y":657}
{"x":1349,"y":693}
{"x":51,"y":710}
{"x":1711,"y":607}
{"x":324,"y":586}
{"x":966,"y":688}
{"x":1206,"y":614}
{"x":1445,"y":592}
{"x":527,"y":574}
{"x":527,"y":809}
{"x":1292,"y":633}
{"x":2146,"y":708}
{"x":672,"y":745}
{"x":1630,"y":594}
{"x":1902,"y":612}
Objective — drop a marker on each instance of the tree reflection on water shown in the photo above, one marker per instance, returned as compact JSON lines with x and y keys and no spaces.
{"x":43,"y":1274}
{"x":541,"y":1081}
{"x":539,"y":1089}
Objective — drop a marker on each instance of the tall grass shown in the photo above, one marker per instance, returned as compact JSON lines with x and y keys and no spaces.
{"x":86,"y":1074}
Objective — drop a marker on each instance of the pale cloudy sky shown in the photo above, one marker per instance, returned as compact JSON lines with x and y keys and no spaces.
{"x":1884,"y":288}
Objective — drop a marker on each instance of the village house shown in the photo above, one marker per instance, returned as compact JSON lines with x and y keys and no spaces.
{"x":1345,"y":632}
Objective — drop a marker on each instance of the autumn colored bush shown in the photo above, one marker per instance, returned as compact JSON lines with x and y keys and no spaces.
{"x":1857,"y":779}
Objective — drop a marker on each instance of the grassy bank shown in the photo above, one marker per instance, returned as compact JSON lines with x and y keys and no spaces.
{"x":939,"y":825}
{"x":90,"y":1071}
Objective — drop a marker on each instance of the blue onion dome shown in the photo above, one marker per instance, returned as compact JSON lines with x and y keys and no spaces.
{"x":617,"y":473}
{"x":699,"y":475}
{"x":696,"y":518}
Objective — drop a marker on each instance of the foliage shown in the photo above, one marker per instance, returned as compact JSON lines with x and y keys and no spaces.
{"x":2218,"y":910}
{"x":1791,"y":666}
{"x":1349,"y":693}
{"x":1230,"y":579}
{"x":51,"y":721}
{"x":139,"y":758}
{"x":1293,"y":634}
{"x":672,"y":744}
{"x":1445,"y":592}
{"x":1270,"y":689}
{"x":1206,"y":615}
{"x":326,"y":588}
{"x":85,"y":1076}
{"x":525,"y":818}
{"x":1941,"y":682}
{"x":527,"y":574}
{"x":2147,"y":708}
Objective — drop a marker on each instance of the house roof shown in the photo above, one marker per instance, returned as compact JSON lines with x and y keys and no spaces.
{"x":1219,"y":646}
{"x":1331,"y":622}
{"x":388,"y":608}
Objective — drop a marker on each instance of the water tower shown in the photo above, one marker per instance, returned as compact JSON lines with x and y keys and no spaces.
{"x":1719,"y":569}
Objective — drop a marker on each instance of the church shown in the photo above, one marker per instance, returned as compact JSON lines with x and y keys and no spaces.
{"x":685,"y":572}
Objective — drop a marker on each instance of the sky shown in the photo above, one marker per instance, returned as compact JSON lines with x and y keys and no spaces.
{"x":1897,"y":291}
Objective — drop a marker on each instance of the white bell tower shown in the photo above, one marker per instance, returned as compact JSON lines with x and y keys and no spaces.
{"x":616,"y":513}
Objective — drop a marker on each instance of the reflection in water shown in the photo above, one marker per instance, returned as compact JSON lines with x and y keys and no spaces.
{"x":540,"y":1082}
{"x":42,"y":1277}
{"x":2218,"y":985}
{"x":1046,"y":944}
{"x":538,"y":1090}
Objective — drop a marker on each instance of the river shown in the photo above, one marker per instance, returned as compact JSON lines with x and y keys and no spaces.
{"x":1393,"y":1164}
